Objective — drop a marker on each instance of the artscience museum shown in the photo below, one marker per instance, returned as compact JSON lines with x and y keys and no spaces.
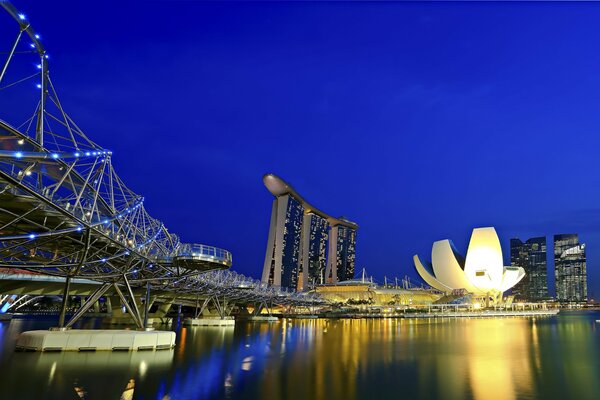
{"x":481,"y":273}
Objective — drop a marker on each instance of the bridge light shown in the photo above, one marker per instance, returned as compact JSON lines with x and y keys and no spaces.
{"x":79,"y":228}
{"x":87,"y":153}
{"x":22,"y":17}
{"x":31,"y":236}
{"x":32,"y":45}
{"x":106,"y":221}
{"x":18,"y":154}
{"x":103,"y":260}
{"x":28,"y":173}
{"x":37,"y":36}
{"x":20,"y":141}
{"x":77,"y":154}
{"x":39,"y":86}
{"x":55,"y":156}
{"x":39,"y":66}
{"x":46,"y":56}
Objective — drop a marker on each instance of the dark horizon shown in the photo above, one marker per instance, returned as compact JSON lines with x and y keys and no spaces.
{"x":418,"y":121}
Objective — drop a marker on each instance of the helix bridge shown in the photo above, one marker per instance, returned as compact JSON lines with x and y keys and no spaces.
{"x":64,"y":210}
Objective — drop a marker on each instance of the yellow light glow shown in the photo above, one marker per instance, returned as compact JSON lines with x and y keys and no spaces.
{"x":476,"y":306}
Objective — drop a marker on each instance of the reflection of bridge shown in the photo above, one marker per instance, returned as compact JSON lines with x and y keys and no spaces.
{"x":65,"y":212}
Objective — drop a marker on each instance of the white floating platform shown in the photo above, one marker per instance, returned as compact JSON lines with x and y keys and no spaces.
{"x":208,"y":321}
{"x":92,"y":340}
{"x":303,"y":316}
{"x":262,"y":318}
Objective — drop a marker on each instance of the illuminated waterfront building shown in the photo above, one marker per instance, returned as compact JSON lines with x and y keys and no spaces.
{"x":531,"y":256}
{"x":305,"y":246}
{"x":364,"y":292}
{"x":570,"y":271}
{"x":481,"y":272}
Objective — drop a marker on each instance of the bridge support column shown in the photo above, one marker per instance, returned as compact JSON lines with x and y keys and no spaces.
{"x":65,"y":299}
{"x":203,"y":308}
{"x":147,"y":306}
{"x":97,"y":306}
{"x":91,"y":301}
{"x":164,"y":308}
{"x":114,"y":304}
{"x":132,"y":310}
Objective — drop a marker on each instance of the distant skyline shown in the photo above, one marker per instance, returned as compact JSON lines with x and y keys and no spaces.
{"x":418,"y":121}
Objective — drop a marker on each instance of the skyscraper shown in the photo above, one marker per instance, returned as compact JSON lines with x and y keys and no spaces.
{"x":301,"y":238}
{"x":531,"y":256}
{"x":314,"y":256}
{"x":570,"y":268}
{"x":283,"y":248}
{"x":342,"y":250}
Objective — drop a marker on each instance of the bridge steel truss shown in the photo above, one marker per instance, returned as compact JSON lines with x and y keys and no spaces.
{"x":64,"y":211}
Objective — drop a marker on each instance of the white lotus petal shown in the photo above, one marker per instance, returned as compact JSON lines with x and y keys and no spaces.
{"x":446,"y":267}
{"x":484,"y":266}
{"x":511,"y":276}
{"x":429,"y":278}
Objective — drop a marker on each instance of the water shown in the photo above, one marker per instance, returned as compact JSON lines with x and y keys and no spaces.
{"x":508,"y":358}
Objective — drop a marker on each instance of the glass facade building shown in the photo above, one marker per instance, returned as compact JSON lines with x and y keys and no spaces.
{"x":305,"y":243}
{"x":316,"y":254}
{"x":570,"y":272}
{"x":531,"y":256}
{"x":346,"y":253}
{"x":283,"y":253}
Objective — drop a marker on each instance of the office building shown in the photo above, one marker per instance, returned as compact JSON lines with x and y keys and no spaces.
{"x":531,"y":256}
{"x":570,"y":272}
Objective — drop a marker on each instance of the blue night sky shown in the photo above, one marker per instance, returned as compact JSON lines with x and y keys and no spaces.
{"x":419,"y":121}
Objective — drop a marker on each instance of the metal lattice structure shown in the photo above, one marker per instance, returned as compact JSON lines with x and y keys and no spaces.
{"x":65,"y":211}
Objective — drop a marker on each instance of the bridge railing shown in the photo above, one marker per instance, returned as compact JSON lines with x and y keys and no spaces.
{"x":196,"y":251}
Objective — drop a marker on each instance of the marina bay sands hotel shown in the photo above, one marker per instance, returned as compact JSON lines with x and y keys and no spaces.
{"x":306,"y":247}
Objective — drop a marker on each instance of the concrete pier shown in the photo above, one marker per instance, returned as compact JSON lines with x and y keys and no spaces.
{"x":95,"y":340}
{"x":210,"y":321}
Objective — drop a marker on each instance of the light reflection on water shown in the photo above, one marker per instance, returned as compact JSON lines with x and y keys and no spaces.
{"x":509,"y":358}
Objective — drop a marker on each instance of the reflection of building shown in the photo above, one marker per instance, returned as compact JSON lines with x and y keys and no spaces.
{"x":531,"y":256}
{"x":305,"y":246}
{"x":482,"y":271}
{"x":570,"y":268}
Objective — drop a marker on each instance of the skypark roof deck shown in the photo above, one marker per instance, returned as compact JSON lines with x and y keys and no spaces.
{"x":278,"y":187}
